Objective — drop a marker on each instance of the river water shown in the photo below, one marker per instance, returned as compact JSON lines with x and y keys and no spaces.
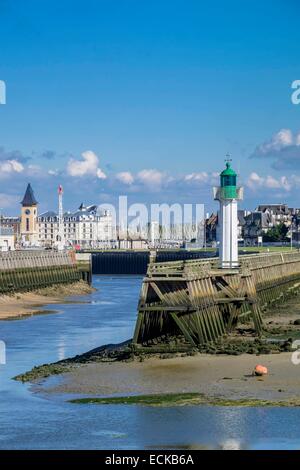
{"x":33,"y":421}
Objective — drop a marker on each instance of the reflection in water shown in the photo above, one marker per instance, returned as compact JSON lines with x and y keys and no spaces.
{"x":61,"y":349}
{"x":31,"y":421}
{"x":231,"y":444}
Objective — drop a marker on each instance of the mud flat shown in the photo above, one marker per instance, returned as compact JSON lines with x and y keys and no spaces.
{"x":214,"y":378}
{"x":219,"y":374}
{"x":112,"y":373}
{"x":22,"y":304}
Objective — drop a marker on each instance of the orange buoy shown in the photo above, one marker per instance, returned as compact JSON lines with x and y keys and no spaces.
{"x":260,"y":370}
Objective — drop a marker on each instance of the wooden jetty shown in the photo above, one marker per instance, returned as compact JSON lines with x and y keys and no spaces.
{"x":197,"y":300}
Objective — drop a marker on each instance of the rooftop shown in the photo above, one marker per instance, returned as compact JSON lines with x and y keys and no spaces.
{"x":29,"y":199}
{"x":228,"y":171}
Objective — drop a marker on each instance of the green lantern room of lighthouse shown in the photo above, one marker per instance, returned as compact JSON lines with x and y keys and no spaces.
{"x":228,"y":183}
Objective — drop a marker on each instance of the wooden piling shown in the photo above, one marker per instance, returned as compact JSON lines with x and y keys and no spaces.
{"x":201,"y":302}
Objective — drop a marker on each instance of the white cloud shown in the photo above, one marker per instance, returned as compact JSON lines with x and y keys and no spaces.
{"x":125,"y":177}
{"x":53,"y":172}
{"x":286,"y":184}
{"x":283,"y":148}
{"x":150,"y":177}
{"x":10,"y":166}
{"x":88,"y":166}
{"x":201,"y":177}
{"x":272,"y":183}
{"x":256,"y":182}
{"x":100,"y":174}
{"x":280,"y":140}
{"x":16,"y":166}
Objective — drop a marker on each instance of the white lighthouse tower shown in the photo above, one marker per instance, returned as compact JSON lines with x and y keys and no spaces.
{"x":228,"y":194}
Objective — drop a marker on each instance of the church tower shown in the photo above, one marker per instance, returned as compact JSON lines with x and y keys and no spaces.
{"x":29,"y":227}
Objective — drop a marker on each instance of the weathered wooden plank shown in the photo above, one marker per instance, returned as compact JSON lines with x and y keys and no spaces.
{"x":209,"y":300}
{"x":182,"y":327}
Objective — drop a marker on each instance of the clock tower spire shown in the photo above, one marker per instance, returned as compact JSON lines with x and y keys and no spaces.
{"x":29,"y":228}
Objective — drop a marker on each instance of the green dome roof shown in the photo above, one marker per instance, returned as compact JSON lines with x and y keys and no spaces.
{"x":228,"y":171}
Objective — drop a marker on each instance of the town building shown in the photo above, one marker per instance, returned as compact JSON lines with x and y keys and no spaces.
{"x":211,"y":224}
{"x":277,"y":213}
{"x":241,"y":223}
{"x":86,"y":227}
{"x":256,"y":224}
{"x":7,"y":239}
{"x":13,"y":223}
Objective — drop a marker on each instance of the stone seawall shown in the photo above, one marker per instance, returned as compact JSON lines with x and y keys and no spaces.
{"x":28,"y":270}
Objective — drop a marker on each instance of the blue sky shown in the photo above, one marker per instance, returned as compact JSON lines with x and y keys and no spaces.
{"x":146,"y":97}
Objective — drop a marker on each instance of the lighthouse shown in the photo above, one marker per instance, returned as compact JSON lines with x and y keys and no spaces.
{"x":228,"y":194}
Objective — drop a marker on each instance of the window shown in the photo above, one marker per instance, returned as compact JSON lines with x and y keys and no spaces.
{"x":229,"y":180}
{"x":27,"y":224}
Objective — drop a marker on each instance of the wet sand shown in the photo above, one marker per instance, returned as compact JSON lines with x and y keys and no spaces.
{"x":220,"y":376}
{"x":228,"y":377}
{"x":29,"y":303}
